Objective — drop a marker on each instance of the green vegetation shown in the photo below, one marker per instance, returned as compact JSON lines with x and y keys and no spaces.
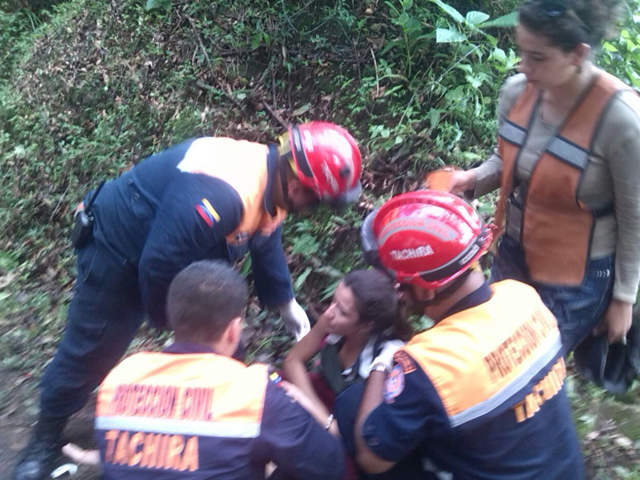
{"x":89,"y":88}
{"x":621,"y":56}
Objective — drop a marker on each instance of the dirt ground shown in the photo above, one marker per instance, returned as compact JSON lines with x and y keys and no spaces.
{"x":18,"y":413}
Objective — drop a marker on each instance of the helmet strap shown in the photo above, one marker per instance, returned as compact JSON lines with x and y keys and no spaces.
{"x":285,"y":168}
{"x":446,"y":292}
{"x":286,"y":159}
{"x":453,"y":286}
{"x":284,"y":146}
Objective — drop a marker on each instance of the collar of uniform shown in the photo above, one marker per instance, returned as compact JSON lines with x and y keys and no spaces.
{"x":187,"y":347}
{"x":272,"y":174}
{"x":477,"y":297}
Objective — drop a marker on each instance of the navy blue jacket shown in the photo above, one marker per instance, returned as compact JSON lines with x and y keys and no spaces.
{"x":148,"y":218}
{"x":188,"y":413}
{"x":528,"y":434}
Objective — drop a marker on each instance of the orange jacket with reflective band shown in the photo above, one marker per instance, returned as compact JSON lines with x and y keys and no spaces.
{"x":556,"y":228}
{"x":485,"y":360}
{"x":246,"y":173}
{"x":174,"y":411}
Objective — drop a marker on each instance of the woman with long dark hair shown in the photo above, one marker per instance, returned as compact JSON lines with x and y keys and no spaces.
{"x":568,"y":167}
{"x":362,"y":321}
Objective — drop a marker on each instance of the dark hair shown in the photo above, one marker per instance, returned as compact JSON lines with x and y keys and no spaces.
{"x":568,"y":23}
{"x":203,"y":299}
{"x":377,"y":303}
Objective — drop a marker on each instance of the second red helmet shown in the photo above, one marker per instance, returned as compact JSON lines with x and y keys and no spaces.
{"x":428,"y":238}
{"x":327,"y":160}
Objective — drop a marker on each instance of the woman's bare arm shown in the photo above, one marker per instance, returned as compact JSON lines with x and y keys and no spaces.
{"x":295,"y":364}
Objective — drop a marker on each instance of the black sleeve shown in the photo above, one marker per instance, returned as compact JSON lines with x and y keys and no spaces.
{"x":270,"y":270}
{"x":294,"y":441}
{"x":193,"y":218}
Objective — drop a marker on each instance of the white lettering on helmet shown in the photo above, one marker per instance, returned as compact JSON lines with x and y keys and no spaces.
{"x":330,"y":178}
{"x":408,"y":253}
{"x":470,"y":255}
{"x":308,"y":141}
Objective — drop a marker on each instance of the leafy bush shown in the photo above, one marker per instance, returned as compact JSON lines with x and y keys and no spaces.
{"x":442,"y":72}
{"x":621,"y":56}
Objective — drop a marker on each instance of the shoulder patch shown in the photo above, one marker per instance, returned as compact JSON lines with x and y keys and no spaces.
{"x":207,"y":212}
{"x":394,"y":384}
{"x":404,"y":360}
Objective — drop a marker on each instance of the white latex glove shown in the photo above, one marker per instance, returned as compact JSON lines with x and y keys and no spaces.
{"x":295,"y":319}
{"x":386,"y":355}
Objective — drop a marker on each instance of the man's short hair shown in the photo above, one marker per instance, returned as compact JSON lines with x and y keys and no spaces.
{"x":203,"y":299}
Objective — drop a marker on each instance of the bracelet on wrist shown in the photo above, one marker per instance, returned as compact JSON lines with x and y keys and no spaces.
{"x":379,"y":367}
{"x":329,"y":422}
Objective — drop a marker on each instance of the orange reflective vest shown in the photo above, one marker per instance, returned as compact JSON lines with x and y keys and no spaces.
{"x":243,"y":165}
{"x":157,"y":410}
{"x":555,"y":227}
{"x":503,"y":354}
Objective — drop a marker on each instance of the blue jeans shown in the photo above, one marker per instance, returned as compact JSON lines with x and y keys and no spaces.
{"x":578,"y":309}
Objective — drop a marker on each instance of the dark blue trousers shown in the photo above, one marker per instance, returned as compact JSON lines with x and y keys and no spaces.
{"x":104,"y":316}
{"x":578,"y":309}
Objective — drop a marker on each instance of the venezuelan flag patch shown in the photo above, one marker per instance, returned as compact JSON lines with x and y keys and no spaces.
{"x":207,"y":212}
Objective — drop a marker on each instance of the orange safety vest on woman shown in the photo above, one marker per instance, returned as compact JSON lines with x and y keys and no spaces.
{"x":556,"y":228}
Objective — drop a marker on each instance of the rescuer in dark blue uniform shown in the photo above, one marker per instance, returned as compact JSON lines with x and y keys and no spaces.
{"x":480,"y":395}
{"x":193,"y":412}
{"x":202,"y":199}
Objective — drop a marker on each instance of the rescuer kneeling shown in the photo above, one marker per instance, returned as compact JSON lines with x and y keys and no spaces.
{"x":480,"y":394}
{"x":192,"y":411}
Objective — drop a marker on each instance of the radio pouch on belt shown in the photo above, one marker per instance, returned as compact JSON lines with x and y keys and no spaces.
{"x":83,"y":227}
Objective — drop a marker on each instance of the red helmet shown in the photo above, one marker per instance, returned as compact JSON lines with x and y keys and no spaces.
{"x":428,"y":238}
{"x":326,"y":159}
